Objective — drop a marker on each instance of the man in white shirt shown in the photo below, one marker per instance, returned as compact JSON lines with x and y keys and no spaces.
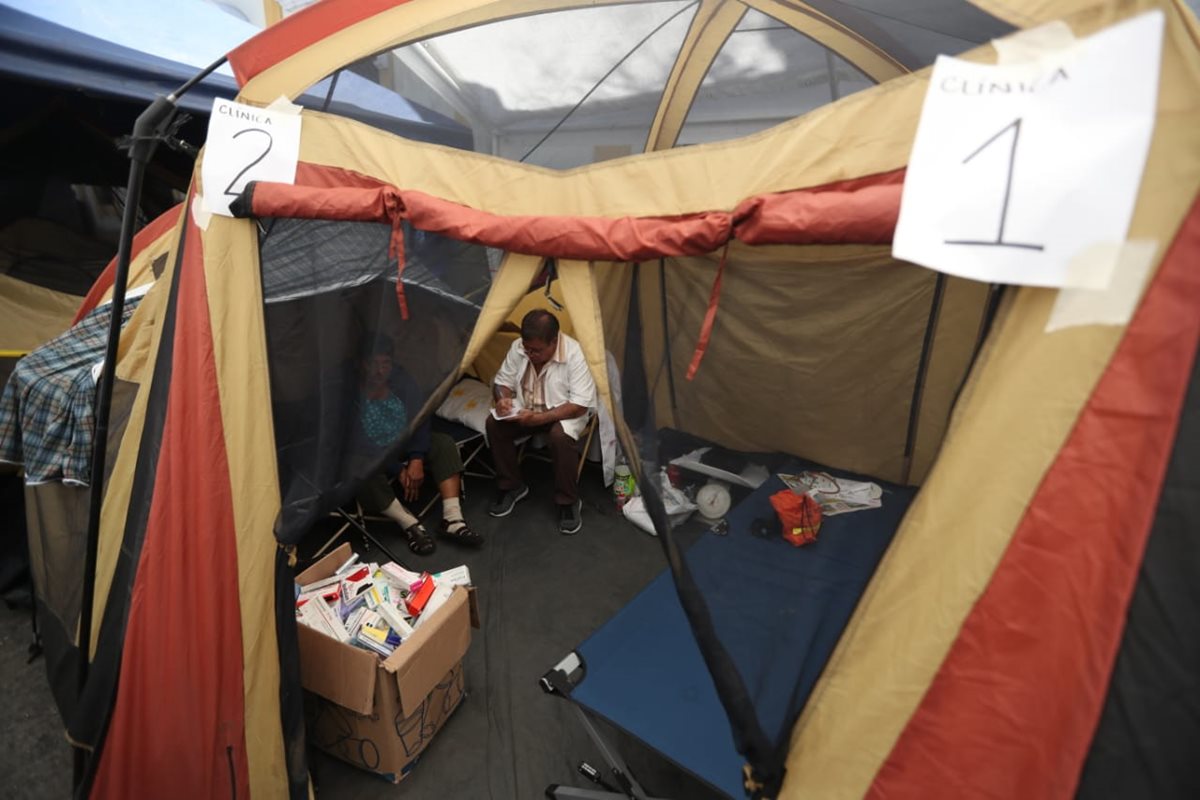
{"x":544,"y":386}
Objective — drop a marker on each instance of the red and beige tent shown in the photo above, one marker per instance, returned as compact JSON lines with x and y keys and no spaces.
{"x":1025,"y":614}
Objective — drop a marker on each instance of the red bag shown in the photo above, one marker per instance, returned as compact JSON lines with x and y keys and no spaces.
{"x":800,"y":516}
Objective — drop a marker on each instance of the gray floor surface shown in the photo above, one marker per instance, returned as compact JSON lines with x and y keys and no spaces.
{"x":540,"y":595}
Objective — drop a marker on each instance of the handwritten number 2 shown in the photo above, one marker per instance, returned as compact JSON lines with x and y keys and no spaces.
{"x":1015,"y":127}
{"x":270,"y":141}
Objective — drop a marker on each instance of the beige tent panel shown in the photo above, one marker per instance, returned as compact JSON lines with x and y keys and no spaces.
{"x":239,"y":352}
{"x":956,"y":333}
{"x":1018,"y":407}
{"x":614,"y":287}
{"x":32,"y":315}
{"x":815,"y":348}
{"x":837,"y":142}
{"x":579,"y":296}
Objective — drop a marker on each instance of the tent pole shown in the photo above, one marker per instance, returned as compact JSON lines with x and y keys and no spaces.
{"x":914,"y":409}
{"x":834,"y":93}
{"x":662,"y":297}
{"x":148,"y":130}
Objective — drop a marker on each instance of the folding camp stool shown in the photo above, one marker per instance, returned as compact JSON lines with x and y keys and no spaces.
{"x":558,"y":682}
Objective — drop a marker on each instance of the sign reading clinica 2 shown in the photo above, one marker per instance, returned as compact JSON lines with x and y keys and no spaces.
{"x":244,"y":144}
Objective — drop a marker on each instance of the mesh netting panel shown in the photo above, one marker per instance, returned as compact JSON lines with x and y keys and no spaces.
{"x":559,"y":89}
{"x":915,"y":33}
{"x":349,"y":376}
{"x":764,"y":74}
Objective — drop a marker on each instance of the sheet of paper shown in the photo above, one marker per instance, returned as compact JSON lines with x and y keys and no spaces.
{"x":834,"y":495}
{"x":1018,"y":168}
{"x":752,"y":476}
{"x":244,"y":144}
{"x":516,"y":410}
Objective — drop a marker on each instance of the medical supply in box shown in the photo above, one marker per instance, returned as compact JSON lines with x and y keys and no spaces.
{"x":421,"y":592}
{"x":400,"y":702}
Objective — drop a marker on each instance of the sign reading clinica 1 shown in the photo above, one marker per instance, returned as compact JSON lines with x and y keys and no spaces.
{"x":244,"y":144}
{"x":1028,"y":173}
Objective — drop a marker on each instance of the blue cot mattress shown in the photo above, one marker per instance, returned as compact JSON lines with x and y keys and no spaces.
{"x":779,"y":611}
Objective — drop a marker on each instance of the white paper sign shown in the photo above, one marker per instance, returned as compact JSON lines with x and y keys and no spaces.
{"x":244,"y":144}
{"x":1018,"y":168}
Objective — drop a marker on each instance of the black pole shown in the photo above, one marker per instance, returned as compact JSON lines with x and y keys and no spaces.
{"x":140,"y":152}
{"x":147,"y":131}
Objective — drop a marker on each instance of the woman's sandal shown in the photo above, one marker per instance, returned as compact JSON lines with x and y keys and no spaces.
{"x":462,"y":534}
{"x":419,"y":540}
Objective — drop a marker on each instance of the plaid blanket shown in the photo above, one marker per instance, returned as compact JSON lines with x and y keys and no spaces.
{"x":47,"y":409}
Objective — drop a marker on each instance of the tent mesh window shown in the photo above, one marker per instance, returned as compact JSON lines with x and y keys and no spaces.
{"x":331,"y":304}
{"x":766,"y":73}
{"x":558,"y":90}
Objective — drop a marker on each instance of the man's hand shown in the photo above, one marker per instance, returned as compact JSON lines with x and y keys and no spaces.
{"x":411,"y":478}
{"x":504,"y":407}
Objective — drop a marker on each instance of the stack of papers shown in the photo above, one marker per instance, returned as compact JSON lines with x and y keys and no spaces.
{"x":752,"y":476}
{"x":835,"y":495}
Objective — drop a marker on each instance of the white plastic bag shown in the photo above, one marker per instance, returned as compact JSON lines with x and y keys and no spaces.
{"x":678,"y":506}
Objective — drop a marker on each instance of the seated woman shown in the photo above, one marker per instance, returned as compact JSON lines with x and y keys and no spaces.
{"x":386,"y":397}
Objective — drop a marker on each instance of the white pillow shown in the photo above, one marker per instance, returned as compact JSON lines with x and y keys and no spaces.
{"x":468,"y":403}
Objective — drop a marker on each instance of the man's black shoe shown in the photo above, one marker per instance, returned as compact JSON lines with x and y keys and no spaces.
{"x":570,"y":518}
{"x":502,"y":506}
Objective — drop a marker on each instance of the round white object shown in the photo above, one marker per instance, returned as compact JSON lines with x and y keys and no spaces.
{"x":713,"y":500}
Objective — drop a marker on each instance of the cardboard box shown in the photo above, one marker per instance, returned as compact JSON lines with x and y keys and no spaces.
{"x":380,"y":715}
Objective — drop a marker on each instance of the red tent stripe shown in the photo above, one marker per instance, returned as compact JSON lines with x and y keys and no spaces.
{"x":298,"y":31}
{"x":1013,"y":709}
{"x":178,"y":720}
{"x":159,"y":226}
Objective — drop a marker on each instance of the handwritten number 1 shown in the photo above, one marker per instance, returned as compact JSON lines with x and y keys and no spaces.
{"x":1015,"y":127}
{"x":270,"y":141}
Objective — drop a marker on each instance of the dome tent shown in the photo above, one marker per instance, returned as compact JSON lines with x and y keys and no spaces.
{"x":803,"y":211}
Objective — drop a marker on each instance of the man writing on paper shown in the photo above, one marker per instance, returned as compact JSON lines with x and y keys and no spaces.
{"x":544,"y":386}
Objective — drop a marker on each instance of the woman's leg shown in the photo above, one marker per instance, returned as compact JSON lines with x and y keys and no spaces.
{"x":446,"y":467}
{"x":377,"y":497}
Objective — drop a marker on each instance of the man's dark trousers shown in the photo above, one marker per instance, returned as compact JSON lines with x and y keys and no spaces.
{"x":564,"y":453}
